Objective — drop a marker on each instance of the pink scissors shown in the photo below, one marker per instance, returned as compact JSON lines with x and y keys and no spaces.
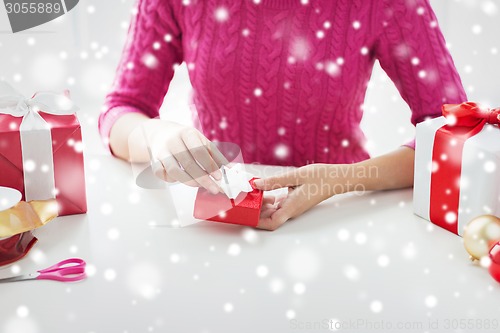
{"x":69,"y":270}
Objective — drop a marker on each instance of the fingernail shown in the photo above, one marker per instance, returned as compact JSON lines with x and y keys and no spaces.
{"x":258,"y":182}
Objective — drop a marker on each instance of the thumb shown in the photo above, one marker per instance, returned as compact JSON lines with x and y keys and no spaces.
{"x":276,"y":182}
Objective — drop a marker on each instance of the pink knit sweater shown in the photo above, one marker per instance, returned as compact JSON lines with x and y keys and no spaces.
{"x":284,"y":79}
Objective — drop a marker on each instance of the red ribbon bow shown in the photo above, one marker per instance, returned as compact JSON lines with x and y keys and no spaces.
{"x":470,"y":114}
{"x":464,"y":121}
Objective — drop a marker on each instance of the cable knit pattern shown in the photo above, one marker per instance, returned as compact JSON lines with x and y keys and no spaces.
{"x":284,"y":80}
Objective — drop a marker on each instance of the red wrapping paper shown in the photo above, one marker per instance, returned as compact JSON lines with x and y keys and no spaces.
{"x":68,"y":161}
{"x":16,"y":247}
{"x":244,"y":210}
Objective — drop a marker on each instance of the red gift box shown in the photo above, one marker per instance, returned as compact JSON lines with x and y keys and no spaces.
{"x":38,"y":169}
{"x":243,"y":210}
{"x":455,"y":175}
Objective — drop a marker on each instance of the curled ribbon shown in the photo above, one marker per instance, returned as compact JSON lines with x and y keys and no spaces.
{"x":36,"y":137}
{"x":27,"y":216}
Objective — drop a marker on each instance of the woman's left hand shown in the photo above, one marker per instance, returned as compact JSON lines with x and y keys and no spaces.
{"x":307,"y":187}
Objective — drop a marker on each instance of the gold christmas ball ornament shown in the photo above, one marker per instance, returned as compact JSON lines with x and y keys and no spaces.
{"x":480,"y":234}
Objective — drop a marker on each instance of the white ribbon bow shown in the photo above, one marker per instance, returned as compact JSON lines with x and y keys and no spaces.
{"x":15,"y":104}
{"x":36,"y":138}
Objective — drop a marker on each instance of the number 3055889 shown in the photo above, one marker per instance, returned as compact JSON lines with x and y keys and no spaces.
{"x":33,"y":8}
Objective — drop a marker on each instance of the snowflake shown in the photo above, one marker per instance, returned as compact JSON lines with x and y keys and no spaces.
{"x":290,"y":314}
{"x":415,"y":61}
{"x":364,"y":50}
{"x":29,"y":166}
{"x":245,"y":32}
{"x":477,"y":29}
{"x":175,"y":258}
{"x":422,"y":74}
{"x":281,"y":151}
{"x":332,"y":68}
{"x":490,"y":166}
{"x":106,"y":209}
{"x":223,"y":123}
{"x":228,"y":307}
{"x":431,"y":301}
{"x":489,"y":8}
{"x":299,"y":288}
{"x":409,"y":251}
{"x":144,"y":280}
{"x":257,"y":92}
{"x":343,"y":235}
{"x":109,"y":274}
{"x":167,"y":38}
{"x":300,"y":49}
{"x":234,"y":249}
{"x":383,"y":260}
{"x":113,"y":234}
{"x":376,"y":306}
{"x":420,"y":10}
{"x":91,"y":9}
{"x":320,"y":34}
{"x":356,"y":25}
{"x":276,"y":285}
{"x":221,"y":14}
{"x":262,"y":271}
{"x":360,"y":238}
{"x":351,"y":272}
{"x":149,"y":60}
{"x":22,"y":311}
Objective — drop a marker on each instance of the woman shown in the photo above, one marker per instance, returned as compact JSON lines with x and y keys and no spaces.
{"x":283,"y":79}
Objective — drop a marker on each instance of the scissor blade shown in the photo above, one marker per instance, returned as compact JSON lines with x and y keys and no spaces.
{"x":19,"y":278}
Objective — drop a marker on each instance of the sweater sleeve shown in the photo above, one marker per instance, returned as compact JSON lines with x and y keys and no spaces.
{"x":152,"y":48}
{"x":411,"y":49}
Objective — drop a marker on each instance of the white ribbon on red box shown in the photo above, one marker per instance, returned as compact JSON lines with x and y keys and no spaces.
{"x":36,"y":138}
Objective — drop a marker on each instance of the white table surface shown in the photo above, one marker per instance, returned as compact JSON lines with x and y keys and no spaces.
{"x":364,"y":261}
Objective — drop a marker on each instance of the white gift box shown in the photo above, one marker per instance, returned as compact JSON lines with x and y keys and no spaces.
{"x":473,"y":171}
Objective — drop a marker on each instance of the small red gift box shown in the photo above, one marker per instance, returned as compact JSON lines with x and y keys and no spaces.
{"x":41,"y":149}
{"x":243,"y":210}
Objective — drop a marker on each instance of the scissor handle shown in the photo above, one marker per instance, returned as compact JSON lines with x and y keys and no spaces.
{"x":72,"y":262}
{"x":68,"y":270}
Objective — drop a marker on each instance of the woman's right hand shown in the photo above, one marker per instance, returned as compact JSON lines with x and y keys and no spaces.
{"x":184,"y":154}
